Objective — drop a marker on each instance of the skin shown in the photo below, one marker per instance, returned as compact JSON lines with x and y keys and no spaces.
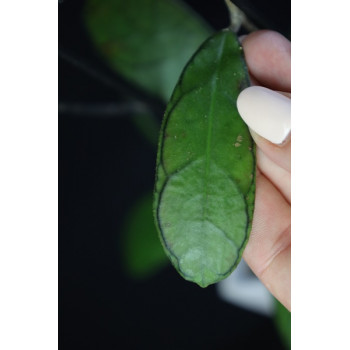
{"x":268,"y":252}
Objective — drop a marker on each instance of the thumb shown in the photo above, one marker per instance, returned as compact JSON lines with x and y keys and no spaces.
{"x":268,"y":115}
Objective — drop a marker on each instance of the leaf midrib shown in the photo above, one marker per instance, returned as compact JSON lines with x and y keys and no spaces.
{"x":210,"y":122}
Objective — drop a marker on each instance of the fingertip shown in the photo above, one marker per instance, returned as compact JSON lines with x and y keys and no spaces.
{"x":268,"y":56}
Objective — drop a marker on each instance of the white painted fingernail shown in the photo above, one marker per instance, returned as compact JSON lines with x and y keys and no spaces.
{"x":266,"y":112}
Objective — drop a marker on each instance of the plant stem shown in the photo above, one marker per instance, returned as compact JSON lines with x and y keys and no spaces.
{"x":102,"y":109}
{"x":239,"y":18}
{"x":117,"y":83}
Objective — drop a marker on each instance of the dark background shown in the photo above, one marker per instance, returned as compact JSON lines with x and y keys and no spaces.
{"x":104,"y":166}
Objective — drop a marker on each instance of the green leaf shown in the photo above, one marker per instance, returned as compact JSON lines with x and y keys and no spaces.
{"x":205,"y":183}
{"x":283,"y":323}
{"x":147,"y":41}
{"x":142,"y":252}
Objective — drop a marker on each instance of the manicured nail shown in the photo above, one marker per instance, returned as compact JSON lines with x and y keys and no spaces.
{"x":266,"y":112}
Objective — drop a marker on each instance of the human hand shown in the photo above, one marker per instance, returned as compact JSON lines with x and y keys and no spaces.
{"x":268,"y":252}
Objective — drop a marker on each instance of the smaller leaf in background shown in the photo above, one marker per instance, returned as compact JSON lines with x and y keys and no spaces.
{"x":283,"y":324}
{"x":147,"y":41}
{"x":142,"y":252}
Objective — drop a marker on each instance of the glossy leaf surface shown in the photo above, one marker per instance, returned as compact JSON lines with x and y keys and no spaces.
{"x":147,"y":41}
{"x":205,"y":184}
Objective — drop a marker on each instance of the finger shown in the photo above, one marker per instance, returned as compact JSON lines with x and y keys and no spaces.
{"x":268,"y":56}
{"x":268,"y":249}
{"x":277,"y":175}
{"x":268,"y":115}
{"x":278,"y":154}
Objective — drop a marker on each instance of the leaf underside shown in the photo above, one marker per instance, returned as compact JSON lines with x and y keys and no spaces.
{"x":205,"y":183}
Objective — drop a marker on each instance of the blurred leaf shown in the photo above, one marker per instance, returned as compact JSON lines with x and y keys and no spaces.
{"x":142,"y":252}
{"x":283,"y":324}
{"x":147,"y":41}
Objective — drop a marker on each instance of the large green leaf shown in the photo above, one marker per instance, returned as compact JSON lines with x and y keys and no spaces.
{"x":205,"y":184}
{"x":142,"y":252}
{"x":147,"y":41}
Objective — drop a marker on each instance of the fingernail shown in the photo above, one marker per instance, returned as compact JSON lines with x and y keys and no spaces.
{"x":266,"y":112}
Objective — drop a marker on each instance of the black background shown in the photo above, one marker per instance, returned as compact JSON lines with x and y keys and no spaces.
{"x":104,"y":166}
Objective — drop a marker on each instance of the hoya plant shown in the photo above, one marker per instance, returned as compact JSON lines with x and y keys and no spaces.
{"x":205,"y":182}
{"x":199,"y":214}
